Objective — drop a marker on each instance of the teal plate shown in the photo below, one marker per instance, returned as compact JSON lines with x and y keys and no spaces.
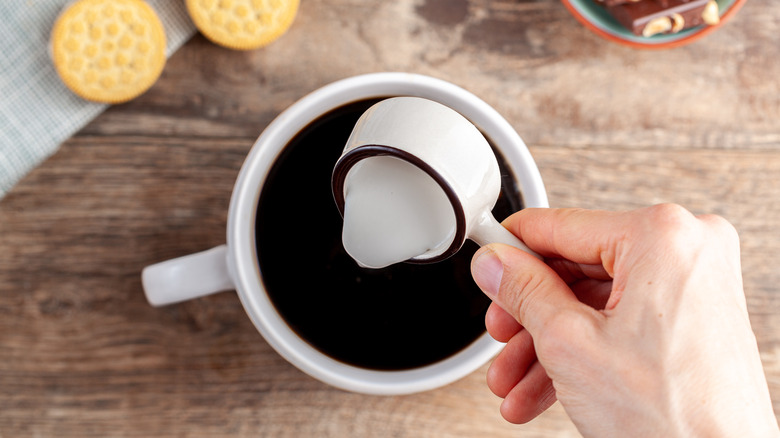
{"x":596,"y":18}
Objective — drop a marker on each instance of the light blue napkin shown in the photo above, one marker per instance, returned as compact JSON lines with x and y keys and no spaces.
{"x":37,"y":111}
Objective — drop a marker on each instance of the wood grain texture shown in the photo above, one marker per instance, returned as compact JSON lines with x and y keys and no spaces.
{"x":83,"y":355}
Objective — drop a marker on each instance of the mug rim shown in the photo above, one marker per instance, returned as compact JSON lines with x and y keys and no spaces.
{"x":243,"y":261}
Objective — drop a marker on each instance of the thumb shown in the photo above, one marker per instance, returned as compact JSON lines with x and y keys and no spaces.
{"x":522,"y":285}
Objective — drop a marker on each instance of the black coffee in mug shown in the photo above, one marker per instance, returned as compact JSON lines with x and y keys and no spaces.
{"x":400,"y":317}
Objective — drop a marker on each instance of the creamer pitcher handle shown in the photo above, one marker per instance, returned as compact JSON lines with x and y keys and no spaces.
{"x":488,"y":230}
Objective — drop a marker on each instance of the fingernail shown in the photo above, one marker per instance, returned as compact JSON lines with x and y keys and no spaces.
{"x":487,"y":270}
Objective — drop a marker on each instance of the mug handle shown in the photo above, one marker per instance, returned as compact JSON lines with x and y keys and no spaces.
{"x":488,"y":230}
{"x":187,"y":277}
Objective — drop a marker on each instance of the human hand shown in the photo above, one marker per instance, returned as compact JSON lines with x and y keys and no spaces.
{"x":636,"y":322}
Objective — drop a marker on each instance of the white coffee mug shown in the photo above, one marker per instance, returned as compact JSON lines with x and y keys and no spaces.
{"x":234,"y":266}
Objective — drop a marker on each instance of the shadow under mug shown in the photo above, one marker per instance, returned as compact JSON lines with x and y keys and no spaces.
{"x":236,"y":265}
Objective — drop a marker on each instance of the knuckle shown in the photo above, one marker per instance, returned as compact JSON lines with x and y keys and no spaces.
{"x":675,"y":230}
{"x":721,"y":230}
{"x":669,"y":215}
{"x":719,"y":225}
{"x":673,"y":227}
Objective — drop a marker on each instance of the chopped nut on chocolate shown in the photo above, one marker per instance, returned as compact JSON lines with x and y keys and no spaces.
{"x":678,"y":23}
{"x":656,"y":26}
{"x":711,"y":14}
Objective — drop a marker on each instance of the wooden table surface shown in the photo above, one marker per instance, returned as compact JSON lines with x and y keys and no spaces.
{"x":83,"y":355}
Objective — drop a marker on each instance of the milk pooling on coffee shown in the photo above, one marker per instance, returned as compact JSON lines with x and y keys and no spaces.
{"x":393,"y":211}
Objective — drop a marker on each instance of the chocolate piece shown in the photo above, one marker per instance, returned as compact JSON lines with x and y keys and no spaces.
{"x":653,"y":17}
{"x":616,"y":2}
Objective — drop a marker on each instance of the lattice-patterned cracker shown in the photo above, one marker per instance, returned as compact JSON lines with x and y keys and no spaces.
{"x":242,"y":24}
{"x":108,"y":50}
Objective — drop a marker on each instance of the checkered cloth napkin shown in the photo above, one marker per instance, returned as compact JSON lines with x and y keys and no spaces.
{"x":37,"y":111}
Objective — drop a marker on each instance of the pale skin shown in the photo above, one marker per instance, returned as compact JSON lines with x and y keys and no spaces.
{"x":635,"y":321}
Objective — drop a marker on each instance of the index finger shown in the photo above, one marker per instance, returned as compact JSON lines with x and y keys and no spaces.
{"x":588,"y":237}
